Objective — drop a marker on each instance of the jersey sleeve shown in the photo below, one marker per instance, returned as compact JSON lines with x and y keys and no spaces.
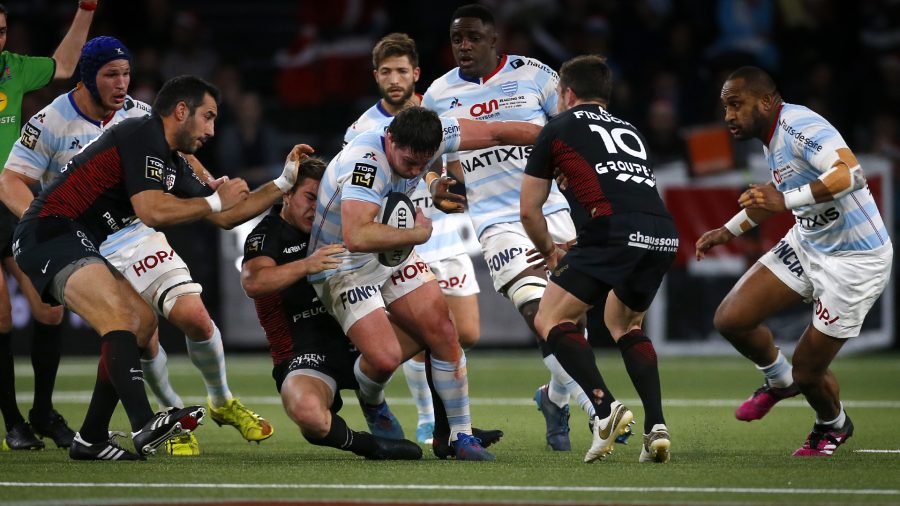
{"x":818,"y":145}
{"x":450,"y":137}
{"x":32,"y":153}
{"x":35,"y":71}
{"x":263,"y":241}
{"x":364,"y":179}
{"x":187,"y":183}
{"x":540,"y":162}
{"x":548,"y":80}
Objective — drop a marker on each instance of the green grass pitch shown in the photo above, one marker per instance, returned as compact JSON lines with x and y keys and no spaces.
{"x":715,"y":458}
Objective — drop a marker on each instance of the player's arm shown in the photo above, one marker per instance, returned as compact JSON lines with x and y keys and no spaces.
{"x":69,"y":50}
{"x":265,"y":196}
{"x":485,"y":134}
{"x":15,"y":191}
{"x":534,"y":193}
{"x":364,"y":234}
{"x":841,"y":178}
{"x":261,"y":276}
{"x":157,"y":208}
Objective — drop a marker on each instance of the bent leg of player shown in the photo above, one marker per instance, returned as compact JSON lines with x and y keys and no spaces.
{"x":766,"y":288}
{"x":428,"y":318}
{"x":164,"y":281}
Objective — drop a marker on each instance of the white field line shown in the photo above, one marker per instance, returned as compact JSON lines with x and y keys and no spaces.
{"x":457,"y":488}
{"x":84,"y":396}
{"x":876,"y":451}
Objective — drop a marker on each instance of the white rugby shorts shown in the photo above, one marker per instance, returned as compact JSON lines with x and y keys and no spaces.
{"x":351,"y":295}
{"x":841,"y":285}
{"x":504,"y":245}
{"x":146,"y":260}
{"x":455,"y":275}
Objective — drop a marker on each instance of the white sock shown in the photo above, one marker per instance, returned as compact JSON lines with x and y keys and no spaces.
{"x":209,"y":358}
{"x":837,"y":423}
{"x":452,"y":384}
{"x":156,"y":374}
{"x":566,"y":387}
{"x":370,"y":391}
{"x":418,"y":387}
{"x":779,"y":373}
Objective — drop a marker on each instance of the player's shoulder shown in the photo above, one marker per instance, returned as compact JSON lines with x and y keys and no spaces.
{"x":265,"y":233}
{"x":800,"y":122}
{"x":528,"y":66}
{"x":135,"y":108}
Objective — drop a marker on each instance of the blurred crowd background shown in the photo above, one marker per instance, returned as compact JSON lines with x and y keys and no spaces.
{"x":300,"y":71}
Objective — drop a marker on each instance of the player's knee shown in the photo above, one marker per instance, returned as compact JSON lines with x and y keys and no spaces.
{"x":190,"y":316}
{"x":468,"y":336}
{"x":384,"y":363}
{"x":729,"y":322}
{"x":308,"y":413}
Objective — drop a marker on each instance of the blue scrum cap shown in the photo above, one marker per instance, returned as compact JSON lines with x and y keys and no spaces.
{"x":96,"y":53}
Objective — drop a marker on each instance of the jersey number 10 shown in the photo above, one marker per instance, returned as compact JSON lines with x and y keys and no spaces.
{"x":613,"y":140}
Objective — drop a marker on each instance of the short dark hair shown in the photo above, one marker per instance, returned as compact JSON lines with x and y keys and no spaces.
{"x":3,"y":10}
{"x":395,"y":44}
{"x":475,"y":11}
{"x":418,"y":129}
{"x":188,"y":89}
{"x":588,"y":76}
{"x":755,"y":79}
{"x":311,"y":167}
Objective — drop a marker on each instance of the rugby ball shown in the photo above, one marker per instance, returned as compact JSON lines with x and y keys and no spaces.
{"x":397,"y":211}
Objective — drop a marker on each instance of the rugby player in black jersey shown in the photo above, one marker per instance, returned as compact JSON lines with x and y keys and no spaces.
{"x":621,"y":254}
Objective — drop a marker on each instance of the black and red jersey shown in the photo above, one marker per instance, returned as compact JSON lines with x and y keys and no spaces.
{"x":605,"y":159}
{"x":96,"y":186}
{"x":294,"y":320}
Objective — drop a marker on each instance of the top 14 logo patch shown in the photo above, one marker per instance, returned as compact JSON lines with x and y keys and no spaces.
{"x":363,"y":175}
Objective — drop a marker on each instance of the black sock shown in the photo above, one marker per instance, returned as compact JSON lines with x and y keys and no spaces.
{"x":45,"y":346}
{"x":341,"y":437}
{"x":576,"y":356}
{"x":8,"y":406}
{"x":95,"y":427}
{"x":119,"y":349}
{"x":441,"y":423}
{"x":640,"y":362}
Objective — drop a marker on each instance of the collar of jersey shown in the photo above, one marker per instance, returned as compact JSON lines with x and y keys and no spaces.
{"x":92,"y":121}
{"x":482,"y":80}
{"x":774,"y":125}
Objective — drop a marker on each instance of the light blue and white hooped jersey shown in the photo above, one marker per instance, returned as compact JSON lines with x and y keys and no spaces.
{"x":803,"y":145}
{"x":374,"y":116}
{"x":445,"y":241}
{"x":520,"y":88}
{"x":58,"y":132}
{"x":361,"y":172}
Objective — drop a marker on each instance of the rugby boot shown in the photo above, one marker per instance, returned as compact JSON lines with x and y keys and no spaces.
{"x":381,"y":421}
{"x":656,"y":445}
{"x":53,"y":426}
{"x":183,"y":445}
{"x":824,"y":440}
{"x":251,"y":426}
{"x":762,"y":400}
{"x":425,"y":433}
{"x":110,"y":450}
{"x":165,"y":425}
{"x":395,"y":449}
{"x":467,"y":447}
{"x":606,"y":430}
{"x":21,"y":437}
{"x":441,"y":445}
{"x":557,"y":419}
